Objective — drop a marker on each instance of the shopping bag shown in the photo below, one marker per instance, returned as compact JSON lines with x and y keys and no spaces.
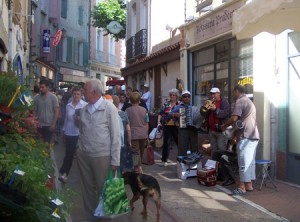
{"x":148,"y":155}
{"x":152,"y":133}
{"x":113,"y":200}
{"x":159,"y":142}
{"x":156,"y":136}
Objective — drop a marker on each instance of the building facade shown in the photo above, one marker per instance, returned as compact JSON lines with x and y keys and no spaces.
{"x":106,"y":55}
{"x":152,"y":45}
{"x":265,"y":63}
{"x":14,"y":24}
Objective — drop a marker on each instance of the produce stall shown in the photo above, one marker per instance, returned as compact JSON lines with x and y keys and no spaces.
{"x":27,"y":191}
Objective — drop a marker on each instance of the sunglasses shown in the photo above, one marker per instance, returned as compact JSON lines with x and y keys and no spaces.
{"x":186,"y":96}
{"x":173,"y":95}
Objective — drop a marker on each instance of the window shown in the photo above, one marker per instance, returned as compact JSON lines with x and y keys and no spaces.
{"x":44,"y":71}
{"x":112,"y":46}
{"x":80,"y":15}
{"x":80,"y":53}
{"x":222,"y":65}
{"x":50,"y":74}
{"x":64,"y":8}
{"x":133,"y":20}
{"x":99,"y":41}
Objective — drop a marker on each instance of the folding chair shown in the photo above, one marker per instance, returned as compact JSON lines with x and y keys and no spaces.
{"x":264,"y":168}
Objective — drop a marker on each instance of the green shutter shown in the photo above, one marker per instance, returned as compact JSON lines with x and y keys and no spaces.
{"x":69,"y":49}
{"x":85,"y":54}
{"x":75,"y":51}
{"x":64,"y":8}
{"x":59,"y":50}
{"x":80,"y":15}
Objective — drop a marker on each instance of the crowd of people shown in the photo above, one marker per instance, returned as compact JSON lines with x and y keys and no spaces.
{"x":111,"y":131}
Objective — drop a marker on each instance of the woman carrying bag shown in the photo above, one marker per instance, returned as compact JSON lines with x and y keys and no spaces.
{"x":169,"y":124}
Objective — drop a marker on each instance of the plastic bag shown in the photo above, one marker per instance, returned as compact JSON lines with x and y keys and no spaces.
{"x":113,"y":201}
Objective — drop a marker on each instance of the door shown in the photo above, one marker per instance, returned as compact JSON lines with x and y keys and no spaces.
{"x":157,"y":87}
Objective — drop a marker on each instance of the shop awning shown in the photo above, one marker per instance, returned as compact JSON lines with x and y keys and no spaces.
{"x":273,"y":16}
{"x":115,"y":82}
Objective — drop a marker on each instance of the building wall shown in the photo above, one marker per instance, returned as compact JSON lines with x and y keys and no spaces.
{"x":108,"y":66}
{"x":4,"y":34}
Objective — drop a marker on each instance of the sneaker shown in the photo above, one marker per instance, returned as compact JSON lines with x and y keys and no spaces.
{"x":63,"y":179}
{"x":164,"y":164}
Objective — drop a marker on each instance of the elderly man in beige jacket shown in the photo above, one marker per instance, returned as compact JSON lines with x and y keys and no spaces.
{"x":98,"y":145}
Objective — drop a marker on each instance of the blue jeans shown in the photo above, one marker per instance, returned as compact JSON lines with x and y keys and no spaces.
{"x":246,"y":151}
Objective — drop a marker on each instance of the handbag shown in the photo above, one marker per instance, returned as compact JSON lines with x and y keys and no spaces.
{"x":158,"y":139}
{"x":148,"y":155}
{"x":113,"y":201}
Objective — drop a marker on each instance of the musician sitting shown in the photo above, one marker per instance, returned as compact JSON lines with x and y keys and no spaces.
{"x":227,"y":160}
{"x":216,"y":111}
{"x":187,"y":131}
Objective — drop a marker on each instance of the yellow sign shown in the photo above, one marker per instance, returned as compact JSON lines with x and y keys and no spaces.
{"x":246,"y":81}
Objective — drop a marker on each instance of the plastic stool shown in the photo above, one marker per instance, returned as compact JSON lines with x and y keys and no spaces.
{"x":264,"y":166}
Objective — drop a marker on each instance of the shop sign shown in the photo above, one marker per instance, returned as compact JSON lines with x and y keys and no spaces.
{"x":246,"y":81}
{"x":114,"y":27}
{"x":57,"y":38}
{"x":46,"y":41}
{"x":216,"y":24}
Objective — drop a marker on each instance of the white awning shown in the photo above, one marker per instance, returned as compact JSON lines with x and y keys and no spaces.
{"x":273,"y":16}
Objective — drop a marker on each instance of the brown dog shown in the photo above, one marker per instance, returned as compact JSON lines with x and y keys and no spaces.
{"x":145,"y":185}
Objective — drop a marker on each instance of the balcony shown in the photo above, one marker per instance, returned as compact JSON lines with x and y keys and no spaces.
{"x":141,"y":43}
{"x":130,"y":49}
{"x":136,"y":46}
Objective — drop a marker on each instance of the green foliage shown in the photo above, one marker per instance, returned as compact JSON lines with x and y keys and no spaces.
{"x":32,"y":156}
{"x":9,"y":83}
{"x":107,"y":11}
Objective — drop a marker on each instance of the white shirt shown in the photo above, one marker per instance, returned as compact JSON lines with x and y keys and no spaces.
{"x":69,"y":128}
{"x":92,"y":107}
{"x":147,"y":96}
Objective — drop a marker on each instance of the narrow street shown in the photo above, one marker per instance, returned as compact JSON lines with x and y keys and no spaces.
{"x":182,"y":200}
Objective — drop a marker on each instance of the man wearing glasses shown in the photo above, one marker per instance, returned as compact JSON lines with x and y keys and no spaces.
{"x":187,"y":132}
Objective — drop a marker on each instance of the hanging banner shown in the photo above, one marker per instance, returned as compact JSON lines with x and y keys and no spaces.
{"x":57,"y":38}
{"x":46,"y":41}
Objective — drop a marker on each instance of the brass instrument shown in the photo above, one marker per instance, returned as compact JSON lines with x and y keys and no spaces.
{"x":208,"y":104}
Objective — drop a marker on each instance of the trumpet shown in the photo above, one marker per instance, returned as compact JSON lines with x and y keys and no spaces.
{"x":208,"y":104}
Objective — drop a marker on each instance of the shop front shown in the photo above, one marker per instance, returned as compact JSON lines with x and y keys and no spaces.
{"x":275,"y":30}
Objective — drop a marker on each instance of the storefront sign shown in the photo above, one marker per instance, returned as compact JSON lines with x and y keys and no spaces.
{"x":216,"y":24}
{"x":57,"y":38}
{"x":114,"y":27}
{"x":246,"y":81}
{"x":46,"y":41}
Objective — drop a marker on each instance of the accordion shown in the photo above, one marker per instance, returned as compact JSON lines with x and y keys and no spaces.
{"x":185,"y":117}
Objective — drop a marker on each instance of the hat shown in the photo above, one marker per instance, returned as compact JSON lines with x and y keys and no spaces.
{"x":185,"y":92}
{"x":146,"y":85}
{"x":214,"y":90}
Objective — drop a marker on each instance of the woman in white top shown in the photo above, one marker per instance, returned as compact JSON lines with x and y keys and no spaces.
{"x":71,"y":132}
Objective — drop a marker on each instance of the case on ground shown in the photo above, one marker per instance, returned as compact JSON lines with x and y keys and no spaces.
{"x":207,"y":177}
{"x":187,"y":166}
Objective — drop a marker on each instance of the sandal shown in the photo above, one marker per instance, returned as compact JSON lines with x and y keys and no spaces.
{"x":249,"y":190}
{"x":238,"y":192}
